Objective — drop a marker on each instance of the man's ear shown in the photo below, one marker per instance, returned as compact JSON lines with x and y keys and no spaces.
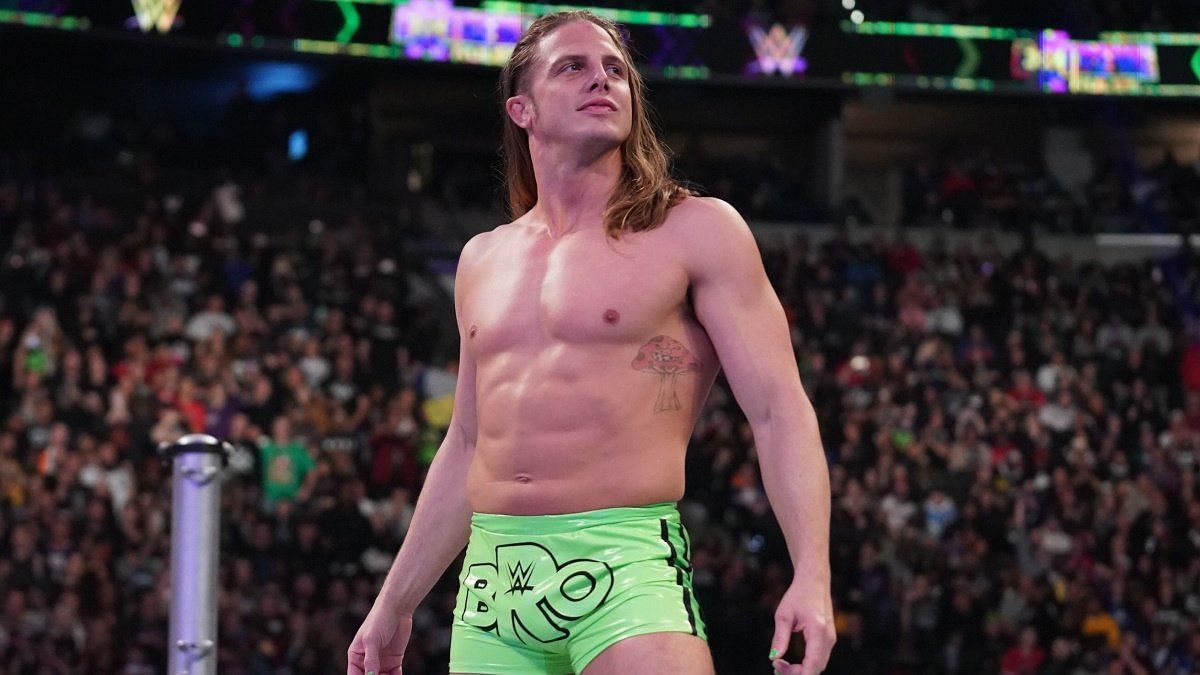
{"x":520,"y":110}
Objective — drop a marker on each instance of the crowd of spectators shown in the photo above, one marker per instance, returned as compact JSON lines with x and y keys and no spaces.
{"x":968,"y":187}
{"x":973,"y":187}
{"x":1013,"y":443}
{"x":321,"y":357}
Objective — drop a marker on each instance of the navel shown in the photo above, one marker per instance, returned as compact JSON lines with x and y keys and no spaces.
{"x":472,"y":330}
{"x":611,"y":316}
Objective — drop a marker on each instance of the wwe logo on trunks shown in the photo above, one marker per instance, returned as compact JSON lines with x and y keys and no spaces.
{"x":520,"y":578}
{"x":541,"y":596}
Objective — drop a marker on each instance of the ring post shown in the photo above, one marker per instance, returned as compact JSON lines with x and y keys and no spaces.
{"x":198,"y":460}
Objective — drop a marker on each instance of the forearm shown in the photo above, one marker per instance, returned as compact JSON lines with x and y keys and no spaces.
{"x":439,"y":529}
{"x":796,"y":478}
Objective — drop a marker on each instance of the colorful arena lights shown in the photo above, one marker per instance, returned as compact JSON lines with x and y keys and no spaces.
{"x":777,"y":50}
{"x":436,"y":30}
{"x":156,"y":14}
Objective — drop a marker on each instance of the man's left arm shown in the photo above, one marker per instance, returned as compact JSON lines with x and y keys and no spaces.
{"x":743,"y":317}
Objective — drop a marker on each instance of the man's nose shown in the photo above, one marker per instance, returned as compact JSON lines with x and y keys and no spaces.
{"x":599,"y":80}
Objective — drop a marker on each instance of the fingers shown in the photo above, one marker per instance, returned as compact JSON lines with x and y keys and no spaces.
{"x":371,"y":663}
{"x":784,"y":668}
{"x":819,"y":637}
{"x":809,"y":666}
{"x":355,"y":669}
{"x":783,"y":635}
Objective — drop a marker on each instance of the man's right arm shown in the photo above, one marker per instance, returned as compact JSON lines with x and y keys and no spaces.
{"x":441,"y":521}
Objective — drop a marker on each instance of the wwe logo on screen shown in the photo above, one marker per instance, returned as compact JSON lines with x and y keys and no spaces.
{"x":156,"y":14}
{"x":777,"y":50}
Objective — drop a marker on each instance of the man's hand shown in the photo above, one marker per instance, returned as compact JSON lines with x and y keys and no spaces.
{"x":378,"y":648}
{"x":806,"y":607}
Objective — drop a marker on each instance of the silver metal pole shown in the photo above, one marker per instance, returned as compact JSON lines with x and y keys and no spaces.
{"x":195,"y":526}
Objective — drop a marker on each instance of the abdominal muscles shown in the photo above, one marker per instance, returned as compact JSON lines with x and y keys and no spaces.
{"x":561,"y":427}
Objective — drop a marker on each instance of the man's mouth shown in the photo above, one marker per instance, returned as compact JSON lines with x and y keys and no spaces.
{"x":598,"y":105}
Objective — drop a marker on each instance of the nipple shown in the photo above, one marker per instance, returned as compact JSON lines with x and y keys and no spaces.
{"x":611,"y":316}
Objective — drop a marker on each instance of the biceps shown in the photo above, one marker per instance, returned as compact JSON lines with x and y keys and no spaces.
{"x":749,"y":331}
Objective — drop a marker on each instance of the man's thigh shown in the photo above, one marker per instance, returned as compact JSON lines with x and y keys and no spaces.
{"x":654,"y":653}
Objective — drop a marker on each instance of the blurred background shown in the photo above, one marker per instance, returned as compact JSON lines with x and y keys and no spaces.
{"x":243,"y":218}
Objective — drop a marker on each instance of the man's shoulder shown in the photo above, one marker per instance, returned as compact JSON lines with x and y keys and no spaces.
{"x":708,"y":210}
{"x":705,"y":220}
{"x":478,"y":245}
{"x":708,"y":228}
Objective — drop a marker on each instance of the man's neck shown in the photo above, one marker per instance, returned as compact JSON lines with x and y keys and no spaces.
{"x":572,"y":192}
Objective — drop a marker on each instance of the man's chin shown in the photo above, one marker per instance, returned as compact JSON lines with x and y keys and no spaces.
{"x":599,"y":143}
{"x":590,"y":143}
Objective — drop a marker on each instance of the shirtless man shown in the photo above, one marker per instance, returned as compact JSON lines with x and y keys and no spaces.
{"x":592,"y":328}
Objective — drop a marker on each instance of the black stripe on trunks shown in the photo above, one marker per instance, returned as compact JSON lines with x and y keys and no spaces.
{"x":673,"y":561}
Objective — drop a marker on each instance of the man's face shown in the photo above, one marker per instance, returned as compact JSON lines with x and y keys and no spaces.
{"x":577,"y":89}
{"x":281,"y":429}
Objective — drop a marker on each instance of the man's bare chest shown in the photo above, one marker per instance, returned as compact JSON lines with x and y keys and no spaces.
{"x":530,"y":291}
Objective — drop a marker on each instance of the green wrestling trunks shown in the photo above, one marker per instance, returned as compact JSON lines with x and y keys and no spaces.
{"x":547,"y":593}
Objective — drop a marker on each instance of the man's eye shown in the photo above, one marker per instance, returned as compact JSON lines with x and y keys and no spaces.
{"x":571,"y":66}
{"x":616,"y":70}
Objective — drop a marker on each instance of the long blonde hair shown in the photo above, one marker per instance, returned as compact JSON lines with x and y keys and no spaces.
{"x":645,"y":190}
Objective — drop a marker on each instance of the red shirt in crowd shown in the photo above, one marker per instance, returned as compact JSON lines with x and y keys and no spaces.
{"x":1029,"y":394}
{"x":194,"y":412}
{"x":1020,"y":661}
{"x":1191,"y":367}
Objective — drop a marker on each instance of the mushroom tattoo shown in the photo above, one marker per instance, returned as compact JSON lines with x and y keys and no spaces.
{"x":668,"y":358}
